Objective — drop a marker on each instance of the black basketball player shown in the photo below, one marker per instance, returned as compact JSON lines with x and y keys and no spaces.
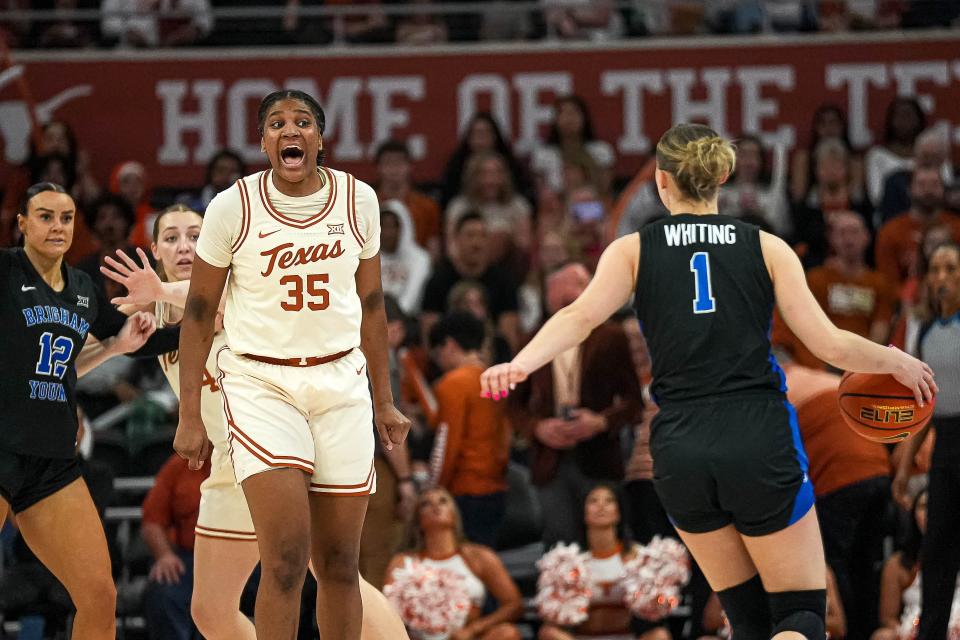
{"x":50,"y":313}
{"x":729,"y":465}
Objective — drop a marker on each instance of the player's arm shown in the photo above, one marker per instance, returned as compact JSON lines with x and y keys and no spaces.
{"x":196,"y":339}
{"x":610,"y":289}
{"x":391,"y":424}
{"x":132,"y":336}
{"x":842,"y":349}
{"x":143,"y":284}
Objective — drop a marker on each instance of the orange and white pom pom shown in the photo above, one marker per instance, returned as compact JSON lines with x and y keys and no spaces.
{"x":563,"y":588}
{"x":430,"y":600}
{"x":655,"y":577}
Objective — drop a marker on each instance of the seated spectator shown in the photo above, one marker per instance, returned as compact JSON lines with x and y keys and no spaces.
{"x":437,"y":540}
{"x":755,"y":190}
{"x":834,"y":191}
{"x":394,"y":182}
{"x":421,"y":28}
{"x":846,"y":15}
{"x":481,"y":134}
{"x":405,"y":266}
{"x":930,"y":151}
{"x":129,"y":181}
{"x":223,"y":169}
{"x":164,"y":23}
{"x":571,"y":130}
{"x":472,"y":444}
{"x":573,"y":411}
{"x":899,"y":239}
{"x":605,"y":537}
{"x":488,"y":189}
{"x":595,"y":20}
{"x":904,"y":122}
{"x":829,"y":121}
{"x":170,"y":513}
{"x":471,"y":261}
{"x":851,"y":481}
{"x":111,"y":218}
{"x":368,"y":23}
{"x":854,"y":296}
{"x":469,"y":296}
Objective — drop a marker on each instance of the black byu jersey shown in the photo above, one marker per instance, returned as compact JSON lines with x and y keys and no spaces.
{"x":705,"y":302}
{"x":43,"y":331}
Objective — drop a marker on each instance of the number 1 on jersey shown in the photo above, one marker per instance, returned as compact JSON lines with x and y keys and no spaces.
{"x":703,"y":301}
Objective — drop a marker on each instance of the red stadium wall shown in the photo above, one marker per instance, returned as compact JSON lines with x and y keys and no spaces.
{"x":171,"y":110}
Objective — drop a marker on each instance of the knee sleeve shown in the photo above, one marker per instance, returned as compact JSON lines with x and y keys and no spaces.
{"x":748,"y":609}
{"x":803,"y":612}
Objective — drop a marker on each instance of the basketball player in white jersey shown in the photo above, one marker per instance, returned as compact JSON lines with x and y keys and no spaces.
{"x":304,"y":322}
{"x":226,"y":548}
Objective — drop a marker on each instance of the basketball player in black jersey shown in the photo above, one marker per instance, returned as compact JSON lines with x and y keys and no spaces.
{"x":50,"y":314}
{"x":729,"y":465}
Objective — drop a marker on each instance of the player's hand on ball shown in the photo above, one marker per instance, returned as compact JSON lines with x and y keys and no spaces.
{"x":142,"y":282}
{"x":498,"y":381}
{"x":191,"y":442}
{"x":915,"y":375}
{"x":391,"y":425}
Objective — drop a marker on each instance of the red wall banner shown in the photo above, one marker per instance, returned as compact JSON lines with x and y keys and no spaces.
{"x":171,"y":111}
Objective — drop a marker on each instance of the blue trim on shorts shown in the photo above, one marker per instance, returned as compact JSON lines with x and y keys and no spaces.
{"x":804,"y":499}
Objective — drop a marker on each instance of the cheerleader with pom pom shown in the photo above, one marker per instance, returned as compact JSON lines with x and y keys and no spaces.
{"x":595,"y":594}
{"x":440,"y":585}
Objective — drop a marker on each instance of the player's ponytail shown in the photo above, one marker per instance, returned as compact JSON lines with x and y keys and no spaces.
{"x":698,"y":159}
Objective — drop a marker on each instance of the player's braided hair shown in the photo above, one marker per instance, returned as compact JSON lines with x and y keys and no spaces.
{"x":292,"y":94}
{"x":697,"y":157}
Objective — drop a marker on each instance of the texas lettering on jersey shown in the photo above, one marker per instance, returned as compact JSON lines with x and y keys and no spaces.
{"x":170,"y":359}
{"x":284,"y":256}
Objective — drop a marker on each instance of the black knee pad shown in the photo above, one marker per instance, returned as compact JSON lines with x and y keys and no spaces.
{"x":800,"y":611}
{"x":748,"y":609}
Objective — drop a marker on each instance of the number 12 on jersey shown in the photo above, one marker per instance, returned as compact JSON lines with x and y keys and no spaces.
{"x":703,"y":301}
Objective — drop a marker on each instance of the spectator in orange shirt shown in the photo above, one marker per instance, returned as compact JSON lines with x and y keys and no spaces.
{"x":170,"y":513}
{"x":855,"y":297}
{"x":899,"y":239}
{"x":394,"y":169}
{"x":851,"y":481}
{"x":472,"y":445}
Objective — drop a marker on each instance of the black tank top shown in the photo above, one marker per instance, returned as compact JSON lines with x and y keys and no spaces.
{"x":705,"y":302}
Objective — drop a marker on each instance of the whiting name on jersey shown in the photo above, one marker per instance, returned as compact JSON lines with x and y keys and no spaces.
{"x":686,"y":233}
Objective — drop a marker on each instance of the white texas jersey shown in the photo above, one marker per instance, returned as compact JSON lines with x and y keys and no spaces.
{"x":292,"y":290}
{"x":211,"y":401}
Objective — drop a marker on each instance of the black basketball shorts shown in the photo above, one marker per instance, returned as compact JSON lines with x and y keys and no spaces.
{"x":731,"y":460}
{"x":25,"y":480}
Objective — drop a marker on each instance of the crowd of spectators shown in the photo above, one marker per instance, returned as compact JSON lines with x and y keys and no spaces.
{"x":172,"y":23}
{"x":473,"y":264}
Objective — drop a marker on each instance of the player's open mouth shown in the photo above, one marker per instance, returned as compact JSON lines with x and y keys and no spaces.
{"x":184,"y":263}
{"x":292,"y":156}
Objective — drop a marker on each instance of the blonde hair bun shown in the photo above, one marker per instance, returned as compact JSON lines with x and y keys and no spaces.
{"x":697,"y":157}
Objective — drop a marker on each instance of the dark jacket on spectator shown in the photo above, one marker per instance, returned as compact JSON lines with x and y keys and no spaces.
{"x":608,"y":386}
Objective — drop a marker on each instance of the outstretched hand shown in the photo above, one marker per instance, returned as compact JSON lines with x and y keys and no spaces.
{"x":498,"y":381}
{"x":142,"y":282}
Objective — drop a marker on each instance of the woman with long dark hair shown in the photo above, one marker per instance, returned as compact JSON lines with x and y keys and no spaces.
{"x":904,"y":121}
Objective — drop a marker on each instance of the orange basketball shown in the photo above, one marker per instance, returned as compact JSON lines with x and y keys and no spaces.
{"x":881,"y":409}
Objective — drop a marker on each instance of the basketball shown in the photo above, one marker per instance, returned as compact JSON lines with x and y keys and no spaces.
{"x":881,"y":409}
